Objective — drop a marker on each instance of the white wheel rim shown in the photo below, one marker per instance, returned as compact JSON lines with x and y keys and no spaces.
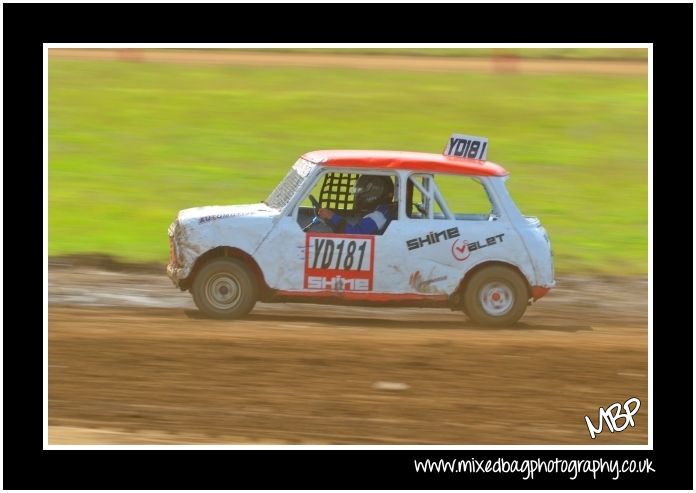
{"x":222,"y":291}
{"x":497,"y":298}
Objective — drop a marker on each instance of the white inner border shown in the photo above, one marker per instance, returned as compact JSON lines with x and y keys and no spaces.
{"x":47,"y":46}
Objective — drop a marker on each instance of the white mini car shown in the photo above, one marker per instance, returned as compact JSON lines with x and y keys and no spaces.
{"x":488,"y":260}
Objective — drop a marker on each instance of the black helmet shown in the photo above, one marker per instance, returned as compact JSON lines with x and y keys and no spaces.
{"x":371,"y":191}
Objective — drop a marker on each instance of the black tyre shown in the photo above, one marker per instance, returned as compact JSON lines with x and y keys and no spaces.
{"x":495,"y":296}
{"x":225,"y":288}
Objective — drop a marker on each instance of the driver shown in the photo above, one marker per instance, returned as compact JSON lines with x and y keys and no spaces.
{"x":373,"y":195}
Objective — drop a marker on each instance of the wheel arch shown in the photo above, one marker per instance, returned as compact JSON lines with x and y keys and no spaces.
{"x":459,"y":292}
{"x":231,"y":252}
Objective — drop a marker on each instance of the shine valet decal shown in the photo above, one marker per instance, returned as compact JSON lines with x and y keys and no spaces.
{"x":432,"y":238}
{"x":339,"y":262}
{"x":461,"y":249}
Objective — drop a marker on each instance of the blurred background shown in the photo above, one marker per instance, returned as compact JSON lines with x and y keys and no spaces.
{"x":137,"y":135}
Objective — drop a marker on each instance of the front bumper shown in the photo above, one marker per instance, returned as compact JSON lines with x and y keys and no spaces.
{"x":539,"y":292}
{"x":174,"y":273}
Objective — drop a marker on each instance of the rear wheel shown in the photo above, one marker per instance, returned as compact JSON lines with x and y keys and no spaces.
{"x":495,"y":296}
{"x":225,"y":288}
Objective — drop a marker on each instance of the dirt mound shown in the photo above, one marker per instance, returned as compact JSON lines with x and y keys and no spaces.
{"x":369,"y":62}
{"x":104,"y":262}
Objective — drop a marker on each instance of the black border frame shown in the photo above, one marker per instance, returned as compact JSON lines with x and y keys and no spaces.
{"x":27,"y":26}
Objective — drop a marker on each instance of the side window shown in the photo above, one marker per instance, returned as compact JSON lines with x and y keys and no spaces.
{"x":466,"y":197}
{"x":336,"y":191}
{"x":447,"y":197}
{"x":330,"y":195}
{"x":424,"y":200}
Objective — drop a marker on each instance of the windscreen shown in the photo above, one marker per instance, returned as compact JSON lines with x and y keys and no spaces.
{"x":286,"y":189}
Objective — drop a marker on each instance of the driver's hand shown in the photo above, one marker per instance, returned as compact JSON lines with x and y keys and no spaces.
{"x":325,"y":214}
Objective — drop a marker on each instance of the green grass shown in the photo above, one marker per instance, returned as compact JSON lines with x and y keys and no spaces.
{"x":132,"y":143}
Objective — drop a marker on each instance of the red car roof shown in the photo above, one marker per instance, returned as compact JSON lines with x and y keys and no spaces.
{"x":419,"y":161}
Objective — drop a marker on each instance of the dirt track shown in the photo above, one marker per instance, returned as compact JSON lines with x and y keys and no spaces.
{"x":379,"y":62}
{"x":129,"y":362}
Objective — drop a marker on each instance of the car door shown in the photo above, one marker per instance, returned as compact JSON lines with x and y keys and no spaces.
{"x":433,"y":247}
{"x":413,"y":256}
{"x":310,"y":258}
{"x":321,"y":261}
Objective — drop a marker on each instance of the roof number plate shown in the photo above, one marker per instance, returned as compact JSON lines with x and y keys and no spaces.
{"x":467,"y":146}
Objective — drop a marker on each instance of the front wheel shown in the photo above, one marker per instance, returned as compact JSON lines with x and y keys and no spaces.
{"x":495,"y":296}
{"x":224,"y":288}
